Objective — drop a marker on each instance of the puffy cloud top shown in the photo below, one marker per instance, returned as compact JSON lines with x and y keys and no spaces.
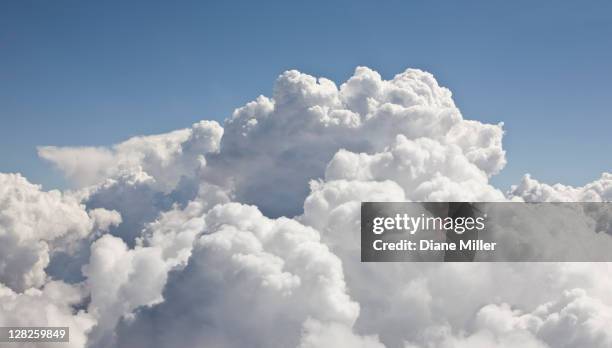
{"x":531,"y":190}
{"x":34,"y":224}
{"x":272,"y":147}
{"x":278,"y":145}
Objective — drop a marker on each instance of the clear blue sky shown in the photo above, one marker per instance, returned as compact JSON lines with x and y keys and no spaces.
{"x":97,"y":72}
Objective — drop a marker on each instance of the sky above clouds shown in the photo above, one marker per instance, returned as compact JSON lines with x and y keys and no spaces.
{"x":72,"y":71}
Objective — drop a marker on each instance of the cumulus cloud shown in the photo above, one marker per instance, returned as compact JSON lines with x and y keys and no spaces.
{"x":250,"y":281}
{"x":433,"y":305}
{"x":248,"y":234}
{"x":573,"y":320}
{"x":166,"y":157}
{"x":271,"y":148}
{"x":426,"y":169}
{"x":278,"y":145}
{"x":600,"y":190}
{"x":421,"y":308}
{"x":531,"y":190}
{"x":52,"y":305}
{"x":120,"y":280}
{"x":34,"y":224}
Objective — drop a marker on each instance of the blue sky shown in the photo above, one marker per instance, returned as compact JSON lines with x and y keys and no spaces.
{"x":98,"y":72}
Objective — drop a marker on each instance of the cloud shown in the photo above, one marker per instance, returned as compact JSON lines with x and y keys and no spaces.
{"x":251,"y":280}
{"x":531,"y":190}
{"x":426,"y":169}
{"x":52,"y":305}
{"x":248,"y":234}
{"x":134,"y":196}
{"x":166,"y":158}
{"x":317,"y":334}
{"x":600,"y":190}
{"x":34,"y":224}
{"x":120,"y":280}
{"x":271,"y":148}
{"x":573,"y":320}
{"x":81,"y":165}
{"x":433,"y":305}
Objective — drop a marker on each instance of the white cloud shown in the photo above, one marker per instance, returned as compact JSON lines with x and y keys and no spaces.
{"x":600,"y":190}
{"x":426,"y":169}
{"x":250,"y":281}
{"x":120,"y":280}
{"x":53,"y":305}
{"x":165,"y":157}
{"x":272,"y":147}
{"x":573,"y":320}
{"x":532,"y":190}
{"x":187,"y":253}
{"x":433,"y":305}
{"x":34,"y":224}
{"x":317,"y":334}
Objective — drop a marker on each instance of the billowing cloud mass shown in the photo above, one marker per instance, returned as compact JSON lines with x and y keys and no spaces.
{"x":34,"y":224}
{"x":257,"y":282}
{"x":532,"y":190}
{"x":247,"y":234}
{"x":271,"y":148}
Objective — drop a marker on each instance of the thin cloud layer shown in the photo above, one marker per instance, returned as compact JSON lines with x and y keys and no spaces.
{"x":248,"y":234}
